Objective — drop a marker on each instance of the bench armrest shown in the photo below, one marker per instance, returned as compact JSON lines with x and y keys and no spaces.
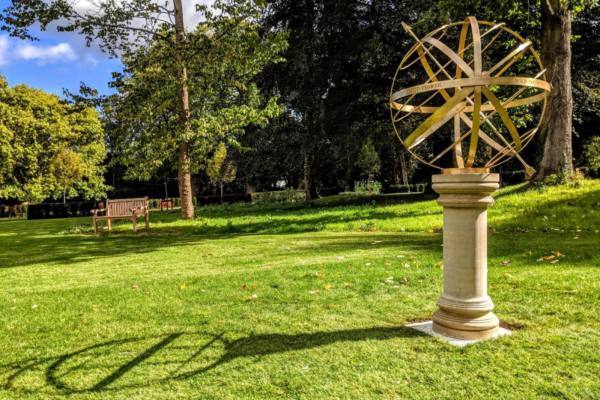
{"x":98,"y":210}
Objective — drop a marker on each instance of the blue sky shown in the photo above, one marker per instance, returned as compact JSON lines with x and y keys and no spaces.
{"x":62,"y":60}
{"x":56,"y":61}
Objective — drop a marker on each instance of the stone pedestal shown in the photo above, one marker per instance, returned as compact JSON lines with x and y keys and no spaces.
{"x":465,"y":309}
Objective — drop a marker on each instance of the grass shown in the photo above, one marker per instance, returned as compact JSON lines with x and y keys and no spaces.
{"x":298,"y":301}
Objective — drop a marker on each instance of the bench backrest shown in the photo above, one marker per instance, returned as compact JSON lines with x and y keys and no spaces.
{"x":122,"y":207}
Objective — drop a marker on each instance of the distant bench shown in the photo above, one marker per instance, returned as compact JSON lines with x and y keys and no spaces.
{"x":130,"y":209}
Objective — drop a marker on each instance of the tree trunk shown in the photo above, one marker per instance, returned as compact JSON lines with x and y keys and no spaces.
{"x":394,"y":154}
{"x":184,"y":166}
{"x":556,"y":127}
{"x":221,"y":185}
{"x":309,"y":178}
{"x":64,"y":195}
{"x":404,"y":171}
{"x":348,"y":175}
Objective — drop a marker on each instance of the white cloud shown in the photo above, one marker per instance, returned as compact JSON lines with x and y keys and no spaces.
{"x":4,"y":45}
{"x":43,"y":55}
{"x":12,"y":49}
{"x":71,"y":45}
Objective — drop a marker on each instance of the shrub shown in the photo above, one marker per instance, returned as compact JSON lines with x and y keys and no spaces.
{"x":592,"y":155}
{"x":370,"y":187}
{"x":416,"y":188}
{"x":288,"y":196}
{"x":60,"y":210}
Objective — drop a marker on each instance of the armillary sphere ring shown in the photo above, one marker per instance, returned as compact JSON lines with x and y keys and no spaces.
{"x":463,"y":92}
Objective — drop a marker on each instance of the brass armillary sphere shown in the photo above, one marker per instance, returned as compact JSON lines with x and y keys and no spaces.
{"x":482,"y":85}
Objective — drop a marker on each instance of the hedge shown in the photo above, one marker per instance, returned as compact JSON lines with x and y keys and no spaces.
{"x":60,"y":210}
{"x":288,"y":196}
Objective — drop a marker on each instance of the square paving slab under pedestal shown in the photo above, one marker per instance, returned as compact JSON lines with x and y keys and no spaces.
{"x":426,"y":328}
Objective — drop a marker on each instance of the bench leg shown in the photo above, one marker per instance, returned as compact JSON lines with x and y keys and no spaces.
{"x":95,"y":226}
{"x":134,"y":222}
{"x":109,"y":223}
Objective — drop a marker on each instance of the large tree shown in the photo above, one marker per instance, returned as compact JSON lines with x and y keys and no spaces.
{"x":557,"y":41}
{"x":48,"y":148}
{"x":557,"y":126}
{"x":225,"y":53}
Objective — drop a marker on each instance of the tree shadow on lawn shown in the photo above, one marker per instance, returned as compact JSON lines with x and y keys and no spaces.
{"x":176,"y":356}
{"x":23,"y":250}
{"x":68,"y":250}
{"x":43,"y":242}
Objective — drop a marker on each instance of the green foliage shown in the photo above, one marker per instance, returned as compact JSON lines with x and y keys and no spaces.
{"x":368,"y":160}
{"x":67,"y":168}
{"x":226,"y":53}
{"x":47,"y":145}
{"x":221,"y":168}
{"x":367,"y":187}
{"x":592,"y":154}
{"x":285,"y":196}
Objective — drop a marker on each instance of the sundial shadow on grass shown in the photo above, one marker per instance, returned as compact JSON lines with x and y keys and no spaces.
{"x":140,"y":362}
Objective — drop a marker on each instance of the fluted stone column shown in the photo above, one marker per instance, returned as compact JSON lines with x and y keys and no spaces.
{"x":465,"y":309}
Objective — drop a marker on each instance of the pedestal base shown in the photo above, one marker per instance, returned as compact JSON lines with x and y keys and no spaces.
{"x":427,"y":328}
{"x":463,"y":326}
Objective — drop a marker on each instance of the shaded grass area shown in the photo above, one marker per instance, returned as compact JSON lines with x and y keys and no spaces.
{"x":298,"y":302}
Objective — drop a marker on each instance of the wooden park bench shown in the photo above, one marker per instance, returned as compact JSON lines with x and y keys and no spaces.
{"x":130,"y":209}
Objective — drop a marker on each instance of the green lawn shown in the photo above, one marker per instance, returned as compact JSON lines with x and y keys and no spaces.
{"x":298,"y":302}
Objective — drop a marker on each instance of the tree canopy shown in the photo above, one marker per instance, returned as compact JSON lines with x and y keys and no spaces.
{"x":40,"y":136}
{"x":224,"y":97}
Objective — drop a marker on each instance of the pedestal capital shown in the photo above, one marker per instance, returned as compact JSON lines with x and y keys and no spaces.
{"x":466,"y":190}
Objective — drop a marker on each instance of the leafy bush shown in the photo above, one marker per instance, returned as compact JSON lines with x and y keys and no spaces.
{"x":592,"y":155}
{"x":417,"y":188}
{"x":287,"y":196}
{"x":370,"y":187}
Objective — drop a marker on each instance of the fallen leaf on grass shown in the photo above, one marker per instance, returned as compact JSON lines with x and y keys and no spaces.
{"x":552,"y":258}
{"x":504,"y":263}
{"x":313,"y":291}
{"x":135,"y":286}
{"x":252,"y":298}
{"x":328,"y":287}
{"x":440,"y":264}
{"x":340,"y":257}
{"x":376,"y":241}
{"x":347,"y":285}
{"x":182,"y":286}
